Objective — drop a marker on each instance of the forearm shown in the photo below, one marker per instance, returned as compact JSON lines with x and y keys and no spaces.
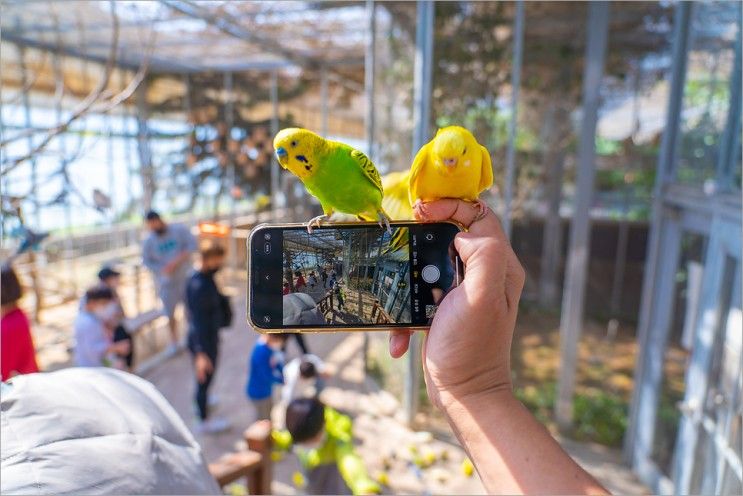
{"x":512,"y":451}
{"x":181,"y":257}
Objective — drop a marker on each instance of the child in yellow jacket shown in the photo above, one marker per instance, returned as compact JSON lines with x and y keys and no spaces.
{"x":322,"y":439}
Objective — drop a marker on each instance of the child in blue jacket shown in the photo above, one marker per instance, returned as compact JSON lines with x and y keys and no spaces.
{"x":266,"y":369}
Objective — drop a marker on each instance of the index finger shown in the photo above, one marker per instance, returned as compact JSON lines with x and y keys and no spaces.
{"x":464,"y":213}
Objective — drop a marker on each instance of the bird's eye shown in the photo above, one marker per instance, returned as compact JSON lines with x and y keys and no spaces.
{"x":464,"y":152}
{"x":294,"y":143}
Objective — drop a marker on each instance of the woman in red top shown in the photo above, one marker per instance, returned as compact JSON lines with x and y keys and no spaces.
{"x":17,"y":354}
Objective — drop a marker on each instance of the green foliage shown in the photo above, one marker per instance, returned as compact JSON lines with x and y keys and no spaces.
{"x":606,"y":146}
{"x":540,"y":400}
{"x":599,"y":416}
{"x":616,"y":179}
{"x":490,"y":127}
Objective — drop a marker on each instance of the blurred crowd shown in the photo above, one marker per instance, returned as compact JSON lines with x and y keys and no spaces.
{"x":280,"y":390}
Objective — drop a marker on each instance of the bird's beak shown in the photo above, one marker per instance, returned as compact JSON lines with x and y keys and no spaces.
{"x":281,"y":152}
{"x":450,"y":162}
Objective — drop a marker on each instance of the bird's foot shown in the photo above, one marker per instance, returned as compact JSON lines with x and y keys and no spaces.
{"x":481,"y":209}
{"x":419,"y":209}
{"x":384,"y":222}
{"x":315,"y":221}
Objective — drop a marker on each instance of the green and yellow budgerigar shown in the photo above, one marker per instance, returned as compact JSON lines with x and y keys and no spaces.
{"x":452,"y":165}
{"x":341,"y":177}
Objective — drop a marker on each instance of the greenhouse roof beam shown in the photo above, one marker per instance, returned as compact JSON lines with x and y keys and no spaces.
{"x":229,"y":25}
{"x":163,"y":65}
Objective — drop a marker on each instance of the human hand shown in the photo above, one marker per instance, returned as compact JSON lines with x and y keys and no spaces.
{"x":121,"y":347}
{"x":203,"y":366}
{"x":467,"y":350}
{"x":169,"y":268}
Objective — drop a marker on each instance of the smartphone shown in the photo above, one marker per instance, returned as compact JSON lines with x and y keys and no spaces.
{"x":349,"y":276}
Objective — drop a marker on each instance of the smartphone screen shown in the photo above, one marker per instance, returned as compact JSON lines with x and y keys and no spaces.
{"x":350,"y":276}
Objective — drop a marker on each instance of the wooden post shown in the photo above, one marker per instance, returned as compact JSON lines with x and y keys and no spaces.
{"x":571,"y":321}
{"x":258,"y":437}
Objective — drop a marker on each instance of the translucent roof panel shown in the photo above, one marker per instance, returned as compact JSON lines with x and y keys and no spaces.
{"x":185,"y":36}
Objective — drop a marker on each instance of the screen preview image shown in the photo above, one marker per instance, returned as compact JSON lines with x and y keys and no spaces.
{"x":346,"y":277}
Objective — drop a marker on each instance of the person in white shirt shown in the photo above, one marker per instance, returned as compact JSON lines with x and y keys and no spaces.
{"x":93,"y":341}
{"x":303,"y":378}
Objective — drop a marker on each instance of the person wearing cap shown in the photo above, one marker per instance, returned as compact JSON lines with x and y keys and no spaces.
{"x":167,"y":253}
{"x":110,"y":278}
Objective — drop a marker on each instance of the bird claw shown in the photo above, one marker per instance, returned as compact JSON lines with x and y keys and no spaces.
{"x":384,"y":222}
{"x":316,"y":222}
{"x":419,"y":209}
{"x":482,"y":209}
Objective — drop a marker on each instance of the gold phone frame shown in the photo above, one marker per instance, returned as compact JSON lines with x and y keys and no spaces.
{"x":316,"y":330}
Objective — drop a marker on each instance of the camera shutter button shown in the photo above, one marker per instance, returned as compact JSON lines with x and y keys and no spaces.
{"x":431,"y":274}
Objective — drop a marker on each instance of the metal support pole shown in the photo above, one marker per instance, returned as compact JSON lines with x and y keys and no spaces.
{"x":3,"y":179}
{"x":518,"y":44}
{"x":369,"y":66}
{"x":127,"y":144}
{"x":274,"y":130}
{"x":143,"y":141}
{"x":731,"y":135}
{"x":369,"y":117}
{"x":111,"y":171}
{"x":229,"y":118}
{"x":638,"y":441}
{"x":421,"y":119}
{"x":69,"y":256}
{"x":423,"y":74}
{"x":571,"y":322}
{"x":324,"y":101}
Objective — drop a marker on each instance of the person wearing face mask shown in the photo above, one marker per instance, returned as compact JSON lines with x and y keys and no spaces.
{"x":167,"y":252}
{"x":208,"y":311}
{"x":266,"y":369}
{"x":93,"y":343}
{"x":110,"y":278}
{"x":322,"y":439}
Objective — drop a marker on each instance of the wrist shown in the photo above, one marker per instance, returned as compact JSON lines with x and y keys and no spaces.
{"x":453,"y":404}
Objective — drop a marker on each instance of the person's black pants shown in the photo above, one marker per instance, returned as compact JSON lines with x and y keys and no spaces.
{"x":300,"y":342}
{"x":202,"y":388}
{"x":120,"y":334}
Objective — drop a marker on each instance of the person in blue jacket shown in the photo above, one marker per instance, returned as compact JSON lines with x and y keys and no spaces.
{"x":266,"y":369}
{"x":208,"y":311}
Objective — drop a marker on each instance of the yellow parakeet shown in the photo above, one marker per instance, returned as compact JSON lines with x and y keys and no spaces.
{"x":341,"y":177}
{"x":452,"y":165}
{"x":395,"y":201}
{"x":397,"y":206}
